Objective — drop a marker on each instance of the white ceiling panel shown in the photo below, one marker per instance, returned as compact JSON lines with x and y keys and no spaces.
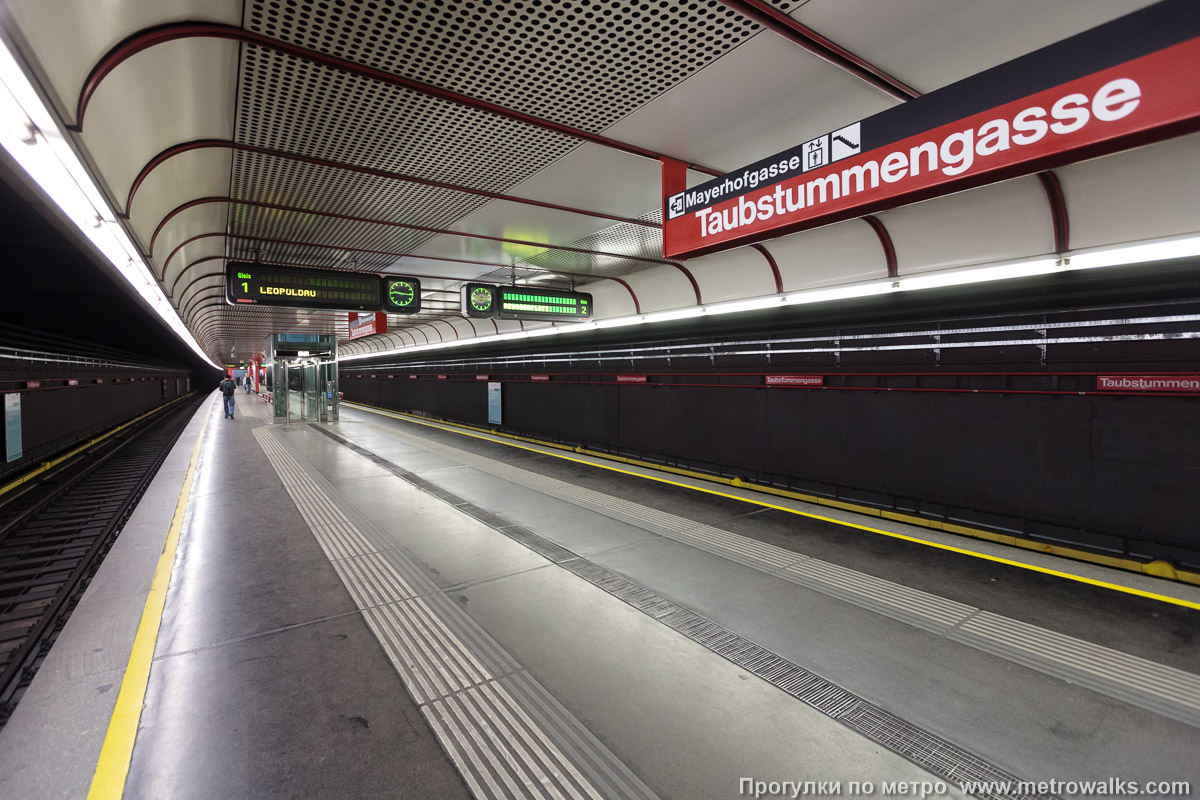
{"x":845,"y":252}
{"x":1139,"y":194}
{"x":929,"y":44}
{"x":992,"y":223}
{"x":195,"y":221}
{"x":163,"y":96}
{"x":764,"y":97}
{"x":178,"y":180}
{"x":68,"y":39}
{"x":597,"y":178}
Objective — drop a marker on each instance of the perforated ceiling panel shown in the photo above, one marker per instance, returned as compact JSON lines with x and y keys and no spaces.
{"x":581,"y":62}
{"x":585,"y":64}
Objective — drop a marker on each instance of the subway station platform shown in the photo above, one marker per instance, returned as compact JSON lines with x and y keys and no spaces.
{"x":390,"y":607}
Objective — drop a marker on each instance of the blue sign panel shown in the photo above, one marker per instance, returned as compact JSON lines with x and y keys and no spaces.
{"x":494,"y":417}
{"x":12,"y":426}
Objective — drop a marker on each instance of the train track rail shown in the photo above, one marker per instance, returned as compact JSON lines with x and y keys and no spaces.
{"x":56,"y":531}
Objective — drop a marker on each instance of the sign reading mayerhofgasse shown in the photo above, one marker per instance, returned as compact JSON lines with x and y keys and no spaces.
{"x":1126,"y":83}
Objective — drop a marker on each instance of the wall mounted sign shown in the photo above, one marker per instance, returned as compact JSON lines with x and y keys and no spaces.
{"x":367,"y":324}
{"x":1123,"y":84}
{"x":485,"y":300}
{"x":12,"y":426}
{"x":494,"y":397}
{"x":298,"y":287}
{"x":795,"y":380}
{"x":1148,"y":383}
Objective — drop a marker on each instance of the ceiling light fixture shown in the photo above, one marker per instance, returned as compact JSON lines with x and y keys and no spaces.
{"x":33,"y":138}
{"x":1131,"y":253}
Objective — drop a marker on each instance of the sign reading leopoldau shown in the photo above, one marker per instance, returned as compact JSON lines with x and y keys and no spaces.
{"x":1126,"y":83}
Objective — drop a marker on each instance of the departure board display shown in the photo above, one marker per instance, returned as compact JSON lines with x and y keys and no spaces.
{"x":523,"y":302}
{"x":485,"y":300}
{"x":401,"y":295}
{"x":268,"y":285}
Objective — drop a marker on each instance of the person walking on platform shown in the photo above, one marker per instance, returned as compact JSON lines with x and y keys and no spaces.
{"x":249,"y":383}
{"x":228,"y":387}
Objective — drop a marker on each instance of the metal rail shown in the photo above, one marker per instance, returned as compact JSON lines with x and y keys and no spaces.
{"x":54,"y":537}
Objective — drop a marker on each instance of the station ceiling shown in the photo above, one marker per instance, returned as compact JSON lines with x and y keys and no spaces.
{"x":472,"y":140}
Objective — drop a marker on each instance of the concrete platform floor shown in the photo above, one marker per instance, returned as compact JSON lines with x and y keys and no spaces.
{"x":378,"y":608}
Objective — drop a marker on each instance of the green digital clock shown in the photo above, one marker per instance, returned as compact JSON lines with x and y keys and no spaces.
{"x":402,"y":295}
{"x":478,"y":300}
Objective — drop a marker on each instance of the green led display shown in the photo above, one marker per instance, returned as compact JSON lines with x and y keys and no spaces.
{"x":521,"y":302}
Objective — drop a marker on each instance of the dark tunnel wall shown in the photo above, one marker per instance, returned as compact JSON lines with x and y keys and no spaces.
{"x":1114,"y":474}
{"x":55,"y":416}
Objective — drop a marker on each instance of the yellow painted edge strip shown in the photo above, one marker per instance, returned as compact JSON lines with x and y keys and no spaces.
{"x":48,"y":465}
{"x":938,"y":545}
{"x":108,"y":782}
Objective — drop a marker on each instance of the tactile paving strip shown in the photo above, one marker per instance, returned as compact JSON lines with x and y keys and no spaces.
{"x":508,"y":737}
{"x":928,"y":750}
{"x":1156,"y":687}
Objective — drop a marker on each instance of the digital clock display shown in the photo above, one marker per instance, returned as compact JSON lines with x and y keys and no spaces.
{"x":401,"y":295}
{"x":478,"y":300}
{"x":264,"y":284}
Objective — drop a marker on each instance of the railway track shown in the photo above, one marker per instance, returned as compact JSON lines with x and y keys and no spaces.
{"x":55,"y":533}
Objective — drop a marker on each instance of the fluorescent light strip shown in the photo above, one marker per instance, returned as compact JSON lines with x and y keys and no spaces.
{"x":773,"y":346}
{"x":33,"y":138}
{"x":1090,"y":259}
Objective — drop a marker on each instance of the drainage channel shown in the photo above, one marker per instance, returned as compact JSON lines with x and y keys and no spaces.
{"x":927,"y":750}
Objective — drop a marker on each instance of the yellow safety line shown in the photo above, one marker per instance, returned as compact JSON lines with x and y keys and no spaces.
{"x":108,"y":783}
{"x":985,"y":556}
{"x":47,"y":465}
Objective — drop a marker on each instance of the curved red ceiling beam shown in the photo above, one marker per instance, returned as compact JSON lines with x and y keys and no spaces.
{"x":885,"y":241}
{"x":151,"y":37}
{"x":200,"y":144}
{"x":1058,"y":211}
{"x":774,"y":267}
{"x":769,"y":17}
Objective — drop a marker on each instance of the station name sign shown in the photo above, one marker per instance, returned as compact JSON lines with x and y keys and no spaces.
{"x":1126,"y":83}
{"x":1148,"y":383}
{"x":298,"y":287}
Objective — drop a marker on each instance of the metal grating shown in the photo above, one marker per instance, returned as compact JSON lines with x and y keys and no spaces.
{"x":269,"y":179}
{"x":585,"y":63}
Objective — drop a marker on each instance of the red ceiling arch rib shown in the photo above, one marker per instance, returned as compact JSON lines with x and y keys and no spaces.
{"x":195,"y":263}
{"x":201,"y":144}
{"x":767,"y":16}
{"x":774,"y":267}
{"x":187,"y":307}
{"x":1058,"y":211}
{"x":885,"y":240}
{"x":151,"y":37}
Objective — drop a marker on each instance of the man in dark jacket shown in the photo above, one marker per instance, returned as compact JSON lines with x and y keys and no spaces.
{"x":228,"y":387}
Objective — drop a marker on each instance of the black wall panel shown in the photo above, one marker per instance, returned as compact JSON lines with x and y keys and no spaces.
{"x":55,"y":418}
{"x":1086,"y":470}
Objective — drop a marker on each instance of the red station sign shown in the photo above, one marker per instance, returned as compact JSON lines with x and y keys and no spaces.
{"x":1127,"y":83}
